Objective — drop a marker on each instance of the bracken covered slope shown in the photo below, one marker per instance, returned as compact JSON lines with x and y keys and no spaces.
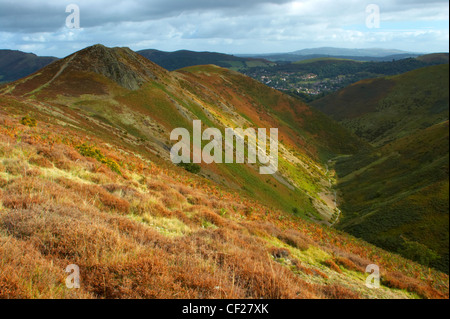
{"x":383,"y":109}
{"x":118,"y":94}
{"x":85,"y":180}
{"x":396,"y":194}
{"x":139,"y":230}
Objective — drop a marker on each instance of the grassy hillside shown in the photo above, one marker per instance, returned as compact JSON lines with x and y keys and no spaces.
{"x":184,"y":58}
{"x":397,"y":196}
{"x":137,"y":229}
{"x":262,"y":105}
{"x":434,"y":58}
{"x":384,"y":109}
{"x":142,"y":103}
{"x":16,"y":64}
{"x":85,"y":178}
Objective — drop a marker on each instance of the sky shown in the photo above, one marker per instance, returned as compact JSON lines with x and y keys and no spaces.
{"x":228,"y":26}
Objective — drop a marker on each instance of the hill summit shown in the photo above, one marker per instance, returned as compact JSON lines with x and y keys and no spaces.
{"x":79,"y":72}
{"x":122,"y":65}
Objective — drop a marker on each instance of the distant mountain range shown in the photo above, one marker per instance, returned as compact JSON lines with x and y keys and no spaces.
{"x":183,"y":58}
{"x":16,"y":64}
{"x":375,"y":52}
{"x":327,"y":52}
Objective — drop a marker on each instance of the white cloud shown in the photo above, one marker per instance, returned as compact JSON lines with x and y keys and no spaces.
{"x":232,"y":26}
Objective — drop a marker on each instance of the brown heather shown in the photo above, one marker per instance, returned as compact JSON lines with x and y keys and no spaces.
{"x":153,"y":233}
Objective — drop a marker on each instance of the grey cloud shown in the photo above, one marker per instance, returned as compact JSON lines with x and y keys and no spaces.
{"x":239,"y":26}
{"x":34,"y":16}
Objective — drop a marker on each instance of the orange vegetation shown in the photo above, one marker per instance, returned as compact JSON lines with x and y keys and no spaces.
{"x":154,"y":232}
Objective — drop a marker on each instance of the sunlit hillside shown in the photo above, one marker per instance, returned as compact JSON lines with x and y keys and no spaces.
{"x":85,"y":179}
{"x":139,"y":230}
{"x":396,"y":194}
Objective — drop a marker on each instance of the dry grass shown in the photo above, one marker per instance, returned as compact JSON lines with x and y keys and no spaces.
{"x":347,"y":263}
{"x":162,"y":235}
{"x":339,"y":292}
{"x":400,"y":281}
{"x":332,"y":265}
{"x":295,"y":239}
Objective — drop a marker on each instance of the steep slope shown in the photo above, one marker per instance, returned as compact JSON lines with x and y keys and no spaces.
{"x":117,"y":93}
{"x":184,"y":58}
{"x":137,"y":229}
{"x":16,"y":64}
{"x":396,"y":195}
{"x":85,"y":179}
{"x":85,"y":71}
{"x":384,"y":109}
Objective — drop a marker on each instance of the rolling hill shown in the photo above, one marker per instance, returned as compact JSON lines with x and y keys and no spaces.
{"x":437,"y":58}
{"x":85,"y":179}
{"x":184,"y":58}
{"x":16,"y":64}
{"x":152,"y":101}
{"x":396,"y":195}
{"x":313,"y":78}
{"x":330,"y":51}
{"x":384,"y":109}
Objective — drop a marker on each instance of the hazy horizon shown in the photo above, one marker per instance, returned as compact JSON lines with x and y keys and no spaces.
{"x":238,"y":54}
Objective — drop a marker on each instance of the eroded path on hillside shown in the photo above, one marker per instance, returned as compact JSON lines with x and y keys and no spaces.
{"x":61,"y":70}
